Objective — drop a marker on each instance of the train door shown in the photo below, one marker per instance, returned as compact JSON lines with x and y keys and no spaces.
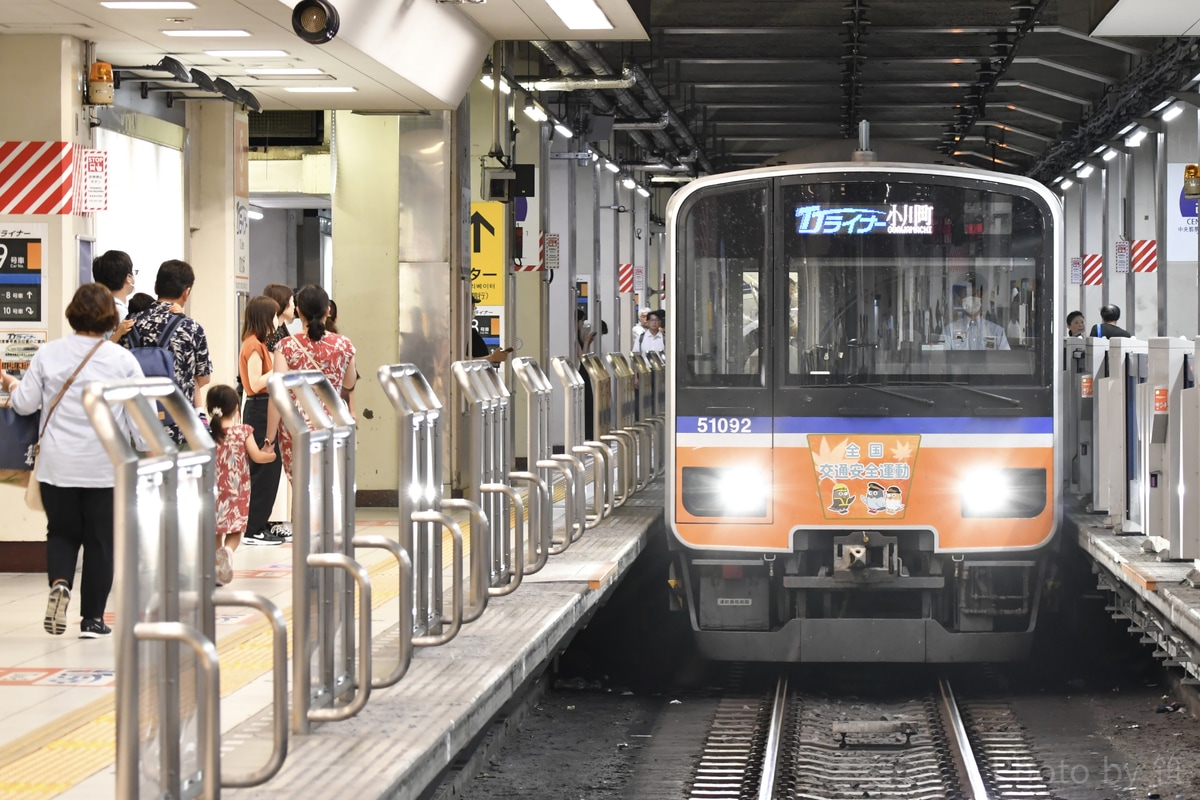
{"x":723,"y":348}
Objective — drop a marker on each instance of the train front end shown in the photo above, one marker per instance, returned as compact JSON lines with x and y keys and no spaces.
{"x":863,"y":412}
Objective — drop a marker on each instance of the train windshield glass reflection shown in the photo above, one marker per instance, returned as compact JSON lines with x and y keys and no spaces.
{"x":879,"y":279}
{"x":945,"y":270}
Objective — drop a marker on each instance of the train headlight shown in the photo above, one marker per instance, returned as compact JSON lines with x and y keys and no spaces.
{"x":1003,"y":492}
{"x":725,"y":491}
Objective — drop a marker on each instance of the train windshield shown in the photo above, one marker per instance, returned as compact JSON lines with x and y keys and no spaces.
{"x":848,"y":278}
{"x":903,"y":282}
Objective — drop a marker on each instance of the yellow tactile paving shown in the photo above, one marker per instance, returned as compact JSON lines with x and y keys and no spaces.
{"x":78,"y":745}
{"x":62,"y":754}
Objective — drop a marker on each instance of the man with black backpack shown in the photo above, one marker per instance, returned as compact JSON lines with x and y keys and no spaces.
{"x":172,"y":345}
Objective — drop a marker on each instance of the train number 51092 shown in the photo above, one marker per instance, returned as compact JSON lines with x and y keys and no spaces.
{"x":723,"y":425}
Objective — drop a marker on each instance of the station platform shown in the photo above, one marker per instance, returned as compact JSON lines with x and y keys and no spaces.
{"x":57,"y":693}
{"x":1155,"y":596}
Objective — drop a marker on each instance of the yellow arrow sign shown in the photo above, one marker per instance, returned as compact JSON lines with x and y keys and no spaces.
{"x":487,"y":253}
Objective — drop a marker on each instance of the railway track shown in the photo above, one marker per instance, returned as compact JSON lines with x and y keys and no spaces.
{"x":790,"y":744}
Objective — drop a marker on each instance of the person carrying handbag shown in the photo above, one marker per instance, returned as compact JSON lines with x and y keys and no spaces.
{"x":73,"y":471}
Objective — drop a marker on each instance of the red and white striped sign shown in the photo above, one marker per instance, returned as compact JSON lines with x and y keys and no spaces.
{"x":91,"y":180}
{"x":35,"y":178}
{"x":1145,"y":255}
{"x":1093,"y":269}
{"x":625,"y":279}
{"x":526,"y":268}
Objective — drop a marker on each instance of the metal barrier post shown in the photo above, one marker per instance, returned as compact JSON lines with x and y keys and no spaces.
{"x":540,"y":391}
{"x":603,"y":424}
{"x":486,"y":419}
{"x":643,"y":415}
{"x":323,"y":569}
{"x":602,"y":472}
{"x":623,"y":405}
{"x":420,"y":493}
{"x":164,"y":531}
{"x":658,"y":414}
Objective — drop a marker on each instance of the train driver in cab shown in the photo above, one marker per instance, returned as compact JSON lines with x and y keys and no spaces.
{"x":971,"y":331}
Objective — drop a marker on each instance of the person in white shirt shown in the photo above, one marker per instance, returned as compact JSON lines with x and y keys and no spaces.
{"x":114,"y":269}
{"x":971,"y":331}
{"x":640,"y":327}
{"x":75,"y":472}
{"x":653,"y":340}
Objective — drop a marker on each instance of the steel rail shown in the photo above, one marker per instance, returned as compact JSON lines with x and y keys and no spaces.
{"x":965,"y":752}
{"x":770,"y":762}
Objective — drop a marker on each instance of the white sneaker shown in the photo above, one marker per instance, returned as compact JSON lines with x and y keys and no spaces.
{"x":224,"y":566}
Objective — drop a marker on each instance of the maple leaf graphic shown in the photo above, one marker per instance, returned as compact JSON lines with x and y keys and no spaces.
{"x":901,"y":452}
{"x":825,"y":454}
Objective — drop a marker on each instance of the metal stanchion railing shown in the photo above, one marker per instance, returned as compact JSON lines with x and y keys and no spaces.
{"x":497,"y":567}
{"x":602,"y":467}
{"x":644,"y":416}
{"x":605,"y":428}
{"x":164,"y":533}
{"x":421,"y":520}
{"x":658,"y":376}
{"x":625,"y":407}
{"x":537,"y":385}
{"x":324,"y":571}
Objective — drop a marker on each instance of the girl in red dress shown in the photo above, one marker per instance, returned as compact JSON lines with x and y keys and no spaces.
{"x":236,"y":447}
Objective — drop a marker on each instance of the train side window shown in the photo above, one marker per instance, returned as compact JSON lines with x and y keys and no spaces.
{"x":721,"y":259}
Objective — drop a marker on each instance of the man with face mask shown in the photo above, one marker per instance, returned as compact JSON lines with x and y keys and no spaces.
{"x":971,"y":331}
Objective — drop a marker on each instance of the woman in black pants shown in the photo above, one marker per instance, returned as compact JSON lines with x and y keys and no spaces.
{"x":75,"y":472}
{"x":254,"y":366}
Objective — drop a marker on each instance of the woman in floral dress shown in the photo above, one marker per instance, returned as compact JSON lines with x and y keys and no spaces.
{"x":313,"y":348}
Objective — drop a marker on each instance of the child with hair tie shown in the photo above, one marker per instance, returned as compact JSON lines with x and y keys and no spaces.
{"x":236,"y":447}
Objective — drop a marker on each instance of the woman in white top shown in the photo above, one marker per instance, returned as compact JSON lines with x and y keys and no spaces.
{"x":75,"y":473}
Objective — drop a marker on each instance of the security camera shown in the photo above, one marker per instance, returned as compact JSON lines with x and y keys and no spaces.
{"x":315,"y":21}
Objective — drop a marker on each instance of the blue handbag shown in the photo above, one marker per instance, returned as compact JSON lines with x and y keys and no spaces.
{"x":18,"y":445}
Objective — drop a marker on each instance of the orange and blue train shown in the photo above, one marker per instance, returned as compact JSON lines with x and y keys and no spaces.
{"x":862,"y":410}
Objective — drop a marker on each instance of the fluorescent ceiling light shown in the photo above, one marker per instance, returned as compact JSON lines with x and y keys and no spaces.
{"x":1084,"y":171}
{"x":535,"y":112}
{"x":1066,"y":184}
{"x":246,"y":53}
{"x":206,"y":34}
{"x":1172,"y":112}
{"x":1160,"y":106}
{"x":580,"y":15}
{"x":486,"y":80}
{"x":1109,"y":154}
{"x":629,"y":183}
{"x":284,"y":71}
{"x":644,"y":192}
{"x":611,"y":167}
{"x":1134,"y":139}
{"x":150,"y":5}
{"x":254,"y":214}
{"x":320,"y":89}
{"x":563,"y":130}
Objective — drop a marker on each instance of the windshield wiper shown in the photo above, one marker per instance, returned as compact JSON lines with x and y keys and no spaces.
{"x":893,"y":392}
{"x":1012,"y":401}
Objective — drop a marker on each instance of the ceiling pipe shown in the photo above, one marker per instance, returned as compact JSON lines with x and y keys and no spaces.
{"x":656,"y":102}
{"x":575,"y":84}
{"x":642,"y":125}
{"x":590,"y":56}
{"x":569,"y":67}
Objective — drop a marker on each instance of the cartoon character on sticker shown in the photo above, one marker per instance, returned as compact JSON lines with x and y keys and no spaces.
{"x":841,"y":499}
{"x":893,"y":501}
{"x":874,"y":499}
